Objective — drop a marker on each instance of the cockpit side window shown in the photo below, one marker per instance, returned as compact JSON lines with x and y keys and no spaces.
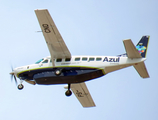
{"x":39,"y":61}
{"x":51,"y":60}
{"x":45,"y":61}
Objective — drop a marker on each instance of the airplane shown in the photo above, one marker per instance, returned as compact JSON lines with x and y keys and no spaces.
{"x":63,"y":68}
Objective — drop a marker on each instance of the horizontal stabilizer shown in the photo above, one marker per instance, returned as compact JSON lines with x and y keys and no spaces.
{"x":131,"y":50}
{"x":141,"y":69}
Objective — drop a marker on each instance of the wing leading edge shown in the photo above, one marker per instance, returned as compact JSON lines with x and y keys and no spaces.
{"x":54,"y":40}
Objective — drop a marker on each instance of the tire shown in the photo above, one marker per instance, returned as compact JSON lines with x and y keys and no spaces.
{"x":20,"y":86}
{"x":68,"y":93}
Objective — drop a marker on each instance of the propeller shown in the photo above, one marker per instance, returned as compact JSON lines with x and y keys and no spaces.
{"x":13,"y":76}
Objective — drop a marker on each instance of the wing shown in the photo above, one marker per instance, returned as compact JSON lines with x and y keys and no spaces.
{"x":81,"y":92}
{"x":54,"y":40}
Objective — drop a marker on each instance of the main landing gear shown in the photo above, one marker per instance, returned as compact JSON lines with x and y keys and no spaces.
{"x":57,"y":73}
{"x":68,"y":92}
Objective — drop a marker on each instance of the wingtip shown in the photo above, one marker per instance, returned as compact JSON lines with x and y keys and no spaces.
{"x":40,"y":9}
{"x":126,"y":39}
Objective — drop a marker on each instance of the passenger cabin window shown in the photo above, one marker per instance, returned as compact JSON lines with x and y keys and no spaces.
{"x":59,"y":60}
{"x":98,"y":59}
{"x":77,"y":59}
{"x":67,"y":59}
{"x":84,"y":59}
{"x":91,"y":59}
{"x":45,"y":61}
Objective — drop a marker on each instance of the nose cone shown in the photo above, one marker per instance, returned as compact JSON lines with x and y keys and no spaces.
{"x":12,"y":73}
{"x":15,"y":71}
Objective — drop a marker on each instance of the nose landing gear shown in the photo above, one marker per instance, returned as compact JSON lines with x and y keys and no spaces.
{"x":20,"y":86}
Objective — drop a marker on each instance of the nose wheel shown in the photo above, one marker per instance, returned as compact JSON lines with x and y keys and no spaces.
{"x":20,"y":86}
{"x":68,"y":92}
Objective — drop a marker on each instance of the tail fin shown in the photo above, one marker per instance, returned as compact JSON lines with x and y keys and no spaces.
{"x":138,"y":52}
{"x":143,"y":45}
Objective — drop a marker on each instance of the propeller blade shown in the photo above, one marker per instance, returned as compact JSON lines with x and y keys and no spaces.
{"x":12,"y":68}
{"x":13,"y":75}
{"x":15,"y":79}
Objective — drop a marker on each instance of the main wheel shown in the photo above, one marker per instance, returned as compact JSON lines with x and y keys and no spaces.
{"x":68,"y":93}
{"x":58,"y":72}
{"x":20,"y":86}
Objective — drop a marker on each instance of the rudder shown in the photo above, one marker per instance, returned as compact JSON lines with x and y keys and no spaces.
{"x":143,"y":45}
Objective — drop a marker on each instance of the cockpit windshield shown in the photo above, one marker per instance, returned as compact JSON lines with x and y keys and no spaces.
{"x":39,"y":61}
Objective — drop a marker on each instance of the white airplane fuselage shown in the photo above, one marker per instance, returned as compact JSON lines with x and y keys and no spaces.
{"x":75,"y":70}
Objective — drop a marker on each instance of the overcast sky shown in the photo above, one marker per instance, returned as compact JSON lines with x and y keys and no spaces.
{"x":92,"y":27}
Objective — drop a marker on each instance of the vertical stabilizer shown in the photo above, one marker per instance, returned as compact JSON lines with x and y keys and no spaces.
{"x":143,"y":45}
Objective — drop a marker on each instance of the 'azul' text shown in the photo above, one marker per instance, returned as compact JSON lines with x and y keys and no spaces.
{"x":111,"y":59}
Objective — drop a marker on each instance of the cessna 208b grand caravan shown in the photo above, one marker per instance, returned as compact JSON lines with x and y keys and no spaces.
{"x":63,"y":68}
